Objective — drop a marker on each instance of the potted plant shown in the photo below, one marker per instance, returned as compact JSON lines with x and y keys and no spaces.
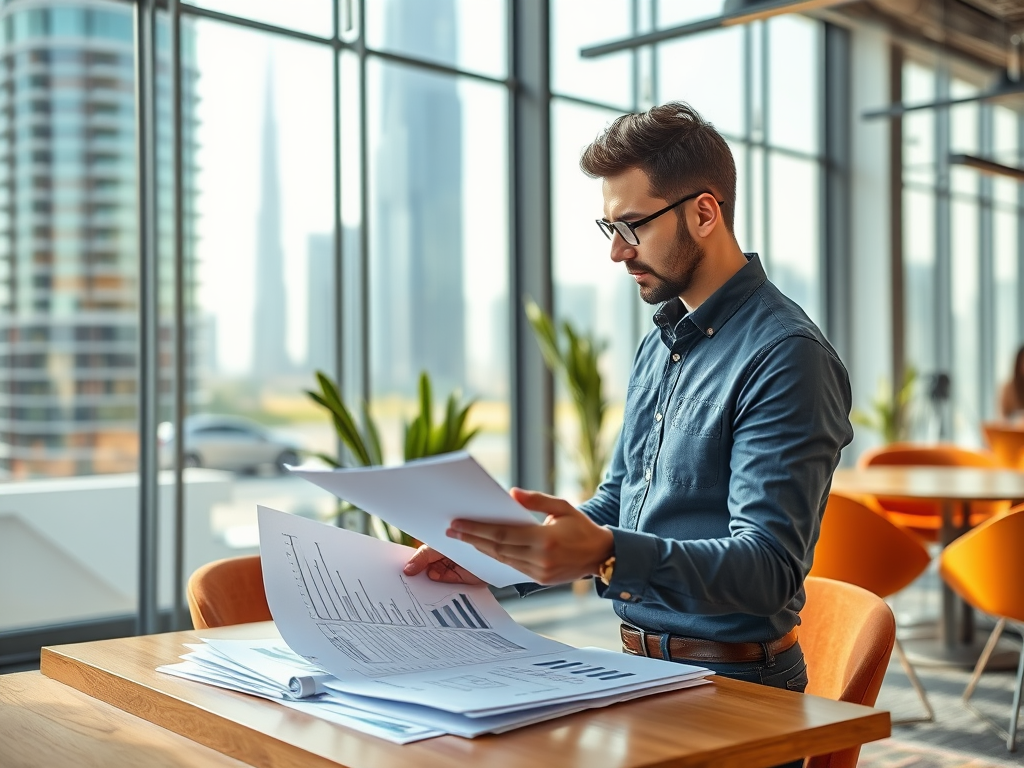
{"x":423,"y":436}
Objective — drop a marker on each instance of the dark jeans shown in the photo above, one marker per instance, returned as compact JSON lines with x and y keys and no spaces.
{"x":787,"y":670}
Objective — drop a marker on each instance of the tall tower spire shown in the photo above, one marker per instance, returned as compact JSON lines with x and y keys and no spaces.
{"x":269,"y":356}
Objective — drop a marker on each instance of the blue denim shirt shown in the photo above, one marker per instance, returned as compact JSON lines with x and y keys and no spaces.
{"x":735,"y":418}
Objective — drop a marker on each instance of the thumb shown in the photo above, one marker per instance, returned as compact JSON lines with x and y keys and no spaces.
{"x":535,"y":501}
{"x":423,"y":557}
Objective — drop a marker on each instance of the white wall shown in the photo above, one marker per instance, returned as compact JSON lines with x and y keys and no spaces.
{"x":69,"y":547}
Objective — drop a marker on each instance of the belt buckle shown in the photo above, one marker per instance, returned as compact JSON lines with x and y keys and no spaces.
{"x":643,"y":642}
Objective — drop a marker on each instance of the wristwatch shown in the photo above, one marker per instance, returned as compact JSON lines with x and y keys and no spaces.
{"x":606,"y":569}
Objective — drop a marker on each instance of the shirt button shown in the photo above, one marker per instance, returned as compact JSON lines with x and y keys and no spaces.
{"x":624,"y":595}
{"x":657,"y":417}
{"x":675,"y":358}
{"x":711,"y":331}
{"x":647,"y":475}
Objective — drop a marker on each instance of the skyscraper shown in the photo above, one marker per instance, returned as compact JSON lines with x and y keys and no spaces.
{"x":269,"y":355}
{"x":68,"y":235}
{"x":417,"y":318}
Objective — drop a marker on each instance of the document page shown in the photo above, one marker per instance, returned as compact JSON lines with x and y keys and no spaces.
{"x":422,"y":497}
{"x":340,"y":600}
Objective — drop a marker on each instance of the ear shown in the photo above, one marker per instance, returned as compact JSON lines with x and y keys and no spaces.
{"x":707,"y":215}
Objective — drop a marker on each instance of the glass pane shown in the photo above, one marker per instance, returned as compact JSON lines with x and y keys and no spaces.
{"x":719,"y":98}
{"x":590,"y":291}
{"x":263,"y":308}
{"x":963,"y":120}
{"x":742,"y":221}
{"x":919,"y":294}
{"x":919,"y":126}
{"x":1005,"y":150}
{"x":795,"y":250}
{"x":312,"y":16}
{"x":966,"y":331}
{"x":794,"y":50}
{"x":68,"y":316}
{"x":1007,"y":298}
{"x":438,"y":151}
{"x":468,"y":34}
{"x":576,"y":24}
{"x":673,"y":13}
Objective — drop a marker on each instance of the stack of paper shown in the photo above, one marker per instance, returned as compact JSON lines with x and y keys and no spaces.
{"x":406,"y":658}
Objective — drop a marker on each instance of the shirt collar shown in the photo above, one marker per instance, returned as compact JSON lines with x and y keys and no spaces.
{"x":714,"y":313}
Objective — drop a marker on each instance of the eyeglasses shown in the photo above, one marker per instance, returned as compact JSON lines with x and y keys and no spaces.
{"x":627,"y":229}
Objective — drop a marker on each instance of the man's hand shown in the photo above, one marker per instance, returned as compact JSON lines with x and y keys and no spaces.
{"x":568,"y":546}
{"x":438,"y":567}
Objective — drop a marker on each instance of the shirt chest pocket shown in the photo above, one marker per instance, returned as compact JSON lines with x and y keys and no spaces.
{"x":692,"y":443}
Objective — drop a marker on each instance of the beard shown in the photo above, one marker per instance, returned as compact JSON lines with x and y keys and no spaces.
{"x":684,"y":259}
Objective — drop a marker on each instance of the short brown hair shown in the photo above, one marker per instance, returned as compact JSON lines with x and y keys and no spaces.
{"x":679,"y":150}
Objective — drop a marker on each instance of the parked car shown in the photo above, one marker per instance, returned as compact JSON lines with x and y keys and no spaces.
{"x":227,"y":442}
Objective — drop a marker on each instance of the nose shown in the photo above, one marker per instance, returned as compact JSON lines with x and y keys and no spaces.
{"x":621,"y":250}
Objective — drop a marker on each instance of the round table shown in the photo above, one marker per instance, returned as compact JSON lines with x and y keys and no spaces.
{"x":953,"y":488}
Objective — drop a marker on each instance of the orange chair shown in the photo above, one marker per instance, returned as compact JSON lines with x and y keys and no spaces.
{"x":986,"y":568}
{"x":847,"y":635}
{"x":925,"y":517}
{"x":1006,"y":442}
{"x":858,"y":544}
{"x":227,"y":592}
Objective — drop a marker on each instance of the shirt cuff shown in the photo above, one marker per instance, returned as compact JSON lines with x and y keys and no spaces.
{"x":636,"y":556}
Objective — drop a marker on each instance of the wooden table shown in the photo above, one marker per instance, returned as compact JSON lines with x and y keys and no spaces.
{"x":953,"y":488}
{"x":726,"y":724}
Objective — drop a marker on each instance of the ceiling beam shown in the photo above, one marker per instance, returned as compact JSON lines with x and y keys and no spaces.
{"x":753,"y":11}
{"x":987,"y":166}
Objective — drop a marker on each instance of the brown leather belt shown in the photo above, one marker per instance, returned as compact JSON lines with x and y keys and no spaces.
{"x":641,"y":643}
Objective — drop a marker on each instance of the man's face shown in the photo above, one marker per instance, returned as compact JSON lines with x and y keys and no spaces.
{"x":667,"y":258}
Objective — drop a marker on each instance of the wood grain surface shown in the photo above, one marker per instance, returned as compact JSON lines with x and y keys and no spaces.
{"x":725,"y":724}
{"x":45,"y":724}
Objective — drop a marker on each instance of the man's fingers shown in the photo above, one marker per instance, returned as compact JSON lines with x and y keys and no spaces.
{"x":500,"y":534}
{"x":535,"y":501}
{"x":423,"y":557}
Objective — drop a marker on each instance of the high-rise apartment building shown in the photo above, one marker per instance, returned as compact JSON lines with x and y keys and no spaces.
{"x":69,"y":236}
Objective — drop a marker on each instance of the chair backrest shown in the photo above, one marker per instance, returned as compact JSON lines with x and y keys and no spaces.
{"x":940,"y":455}
{"x":858,"y":544}
{"x":227,"y":592}
{"x":1006,"y":442}
{"x":985,"y":566}
{"x":847,"y":634}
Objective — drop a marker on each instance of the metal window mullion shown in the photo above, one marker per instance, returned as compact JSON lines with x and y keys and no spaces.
{"x":766,"y":206}
{"x":748,"y":128}
{"x":364,"y":228}
{"x":834,"y":215}
{"x":943,"y":245}
{"x":180,"y":349}
{"x":338,"y":337}
{"x":530,"y":237}
{"x":986,"y":307}
{"x":145,"y":118}
{"x":897,"y":266}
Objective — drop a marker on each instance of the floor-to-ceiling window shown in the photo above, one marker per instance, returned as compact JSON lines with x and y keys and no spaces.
{"x":763,"y":96}
{"x":961,"y":250}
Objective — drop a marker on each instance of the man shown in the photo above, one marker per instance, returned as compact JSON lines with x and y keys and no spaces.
{"x":737,"y":410}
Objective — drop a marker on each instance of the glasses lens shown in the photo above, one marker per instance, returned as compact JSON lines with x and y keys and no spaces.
{"x":625,"y":232}
{"x":605,"y":227}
